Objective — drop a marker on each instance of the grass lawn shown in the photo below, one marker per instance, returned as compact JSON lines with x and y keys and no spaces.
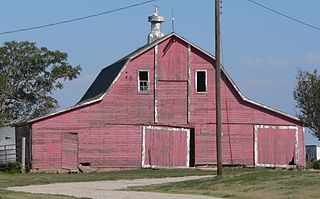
{"x":249,"y":184}
{"x":7,"y":180}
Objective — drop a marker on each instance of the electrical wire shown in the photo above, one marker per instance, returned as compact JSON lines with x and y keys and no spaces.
{"x":284,"y":15}
{"x":75,"y":19}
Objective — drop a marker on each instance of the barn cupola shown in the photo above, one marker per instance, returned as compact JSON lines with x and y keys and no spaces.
{"x":156,"y":30}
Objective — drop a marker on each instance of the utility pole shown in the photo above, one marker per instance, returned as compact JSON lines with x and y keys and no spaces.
{"x":218,"y":93}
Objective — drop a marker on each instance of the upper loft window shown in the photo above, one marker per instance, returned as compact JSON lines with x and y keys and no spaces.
{"x":143,"y":81}
{"x":201,"y":81}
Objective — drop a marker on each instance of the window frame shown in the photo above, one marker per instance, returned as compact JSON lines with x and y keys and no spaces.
{"x":206,"y":80}
{"x":148,"y":82}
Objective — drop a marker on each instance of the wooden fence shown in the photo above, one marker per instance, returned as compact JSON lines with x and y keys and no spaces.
{"x":7,"y":155}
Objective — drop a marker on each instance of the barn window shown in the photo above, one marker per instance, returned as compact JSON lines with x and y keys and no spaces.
{"x":143,"y":81}
{"x":201,"y":81}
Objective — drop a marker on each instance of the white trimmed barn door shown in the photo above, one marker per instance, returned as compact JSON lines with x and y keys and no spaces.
{"x":165,"y":147}
{"x":276,"y":146}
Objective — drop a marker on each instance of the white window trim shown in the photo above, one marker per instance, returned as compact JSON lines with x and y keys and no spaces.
{"x":138,"y":87}
{"x":196,"y":81}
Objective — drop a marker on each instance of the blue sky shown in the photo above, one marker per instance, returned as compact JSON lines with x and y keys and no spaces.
{"x":261,"y":50}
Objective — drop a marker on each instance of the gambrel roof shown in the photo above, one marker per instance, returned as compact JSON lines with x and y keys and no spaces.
{"x":104,"y":80}
{"x":109,"y":75}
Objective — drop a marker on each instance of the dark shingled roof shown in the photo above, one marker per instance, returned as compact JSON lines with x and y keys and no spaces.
{"x":105,"y":78}
{"x":103,"y":81}
{"x":108,"y":75}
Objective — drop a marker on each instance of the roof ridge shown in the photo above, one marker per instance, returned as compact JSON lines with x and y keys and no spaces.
{"x":121,"y":63}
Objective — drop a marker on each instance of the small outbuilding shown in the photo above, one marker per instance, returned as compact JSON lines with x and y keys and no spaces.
{"x":156,"y":108}
{"x":312,"y":153}
{"x":7,"y":145}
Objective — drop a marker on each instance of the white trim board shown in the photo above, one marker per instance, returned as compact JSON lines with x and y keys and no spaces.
{"x":196,"y":80}
{"x":155,"y":89}
{"x":134,"y":54}
{"x":138,"y":83}
{"x":143,"y":151}
{"x":256,"y":155}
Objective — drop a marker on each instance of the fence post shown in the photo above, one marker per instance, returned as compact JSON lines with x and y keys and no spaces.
{"x":23,"y":155}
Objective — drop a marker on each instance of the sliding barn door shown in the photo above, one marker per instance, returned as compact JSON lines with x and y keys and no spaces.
{"x":276,"y":146}
{"x":165,"y":147}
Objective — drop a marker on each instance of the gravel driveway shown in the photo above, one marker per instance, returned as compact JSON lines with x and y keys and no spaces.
{"x":107,"y":189}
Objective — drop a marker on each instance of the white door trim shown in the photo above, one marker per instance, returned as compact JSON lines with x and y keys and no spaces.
{"x":143,"y":155}
{"x":256,"y":131}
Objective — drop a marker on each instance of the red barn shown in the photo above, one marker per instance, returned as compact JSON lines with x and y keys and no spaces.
{"x":156,"y":108}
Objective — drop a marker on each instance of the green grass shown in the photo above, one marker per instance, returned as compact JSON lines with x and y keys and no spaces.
{"x":236,"y":183}
{"x":248,"y":183}
{"x":8,"y":179}
{"x":20,"y":195}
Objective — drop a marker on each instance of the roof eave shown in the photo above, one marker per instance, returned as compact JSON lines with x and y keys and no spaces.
{"x":151,"y":45}
{"x":243,"y":97}
{"x":65,"y":110}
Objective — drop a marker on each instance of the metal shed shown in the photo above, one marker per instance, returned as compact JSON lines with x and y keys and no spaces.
{"x":7,"y":145}
{"x":312,"y":153}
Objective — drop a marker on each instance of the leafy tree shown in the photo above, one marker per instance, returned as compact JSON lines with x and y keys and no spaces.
{"x":28,"y":76}
{"x":2,"y":86}
{"x":307,"y":96}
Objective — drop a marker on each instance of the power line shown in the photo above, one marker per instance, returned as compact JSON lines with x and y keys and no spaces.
{"x":75,"y":19}
{"x":284,"y":15}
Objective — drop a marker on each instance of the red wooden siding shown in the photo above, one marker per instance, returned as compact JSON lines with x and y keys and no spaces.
{"x":101,"y":146}
{"x":110,"y":131}
{"x":46,"y":149}
{"x":166,"y":147}
{"x":172,"y":102}
{"x":202,"y":104}
{"x":172,"y":60}
{"x":69,"y":151}
{"x":276,"y":146}
{"x":240,"y":147}
{"x":120,"y":146}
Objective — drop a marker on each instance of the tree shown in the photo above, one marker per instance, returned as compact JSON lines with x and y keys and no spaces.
{"x":307,"y":96}
{"x":28,"y":76}
{"x":2,"y":86}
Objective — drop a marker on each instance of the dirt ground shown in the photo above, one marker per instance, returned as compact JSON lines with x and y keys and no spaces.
{"x":110,"y":189}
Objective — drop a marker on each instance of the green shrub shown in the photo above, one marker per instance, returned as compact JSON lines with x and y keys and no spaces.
{"x":316,"y":164}
{"x":313,"y":165}
{"x":309,"y":165}
{"x":12,"y":167}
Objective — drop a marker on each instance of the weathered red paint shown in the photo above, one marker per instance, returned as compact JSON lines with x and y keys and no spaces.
{"x":172,"y":94}
{"x":69,"y":151}
{"x":173,"y":60}
{"x":110,"y":131}
{"x":282,"y":140}
{"x":166,"y":148}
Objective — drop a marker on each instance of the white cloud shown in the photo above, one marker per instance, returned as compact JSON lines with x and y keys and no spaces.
{"x":265,"y":62}
{"x":311,"y":58}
